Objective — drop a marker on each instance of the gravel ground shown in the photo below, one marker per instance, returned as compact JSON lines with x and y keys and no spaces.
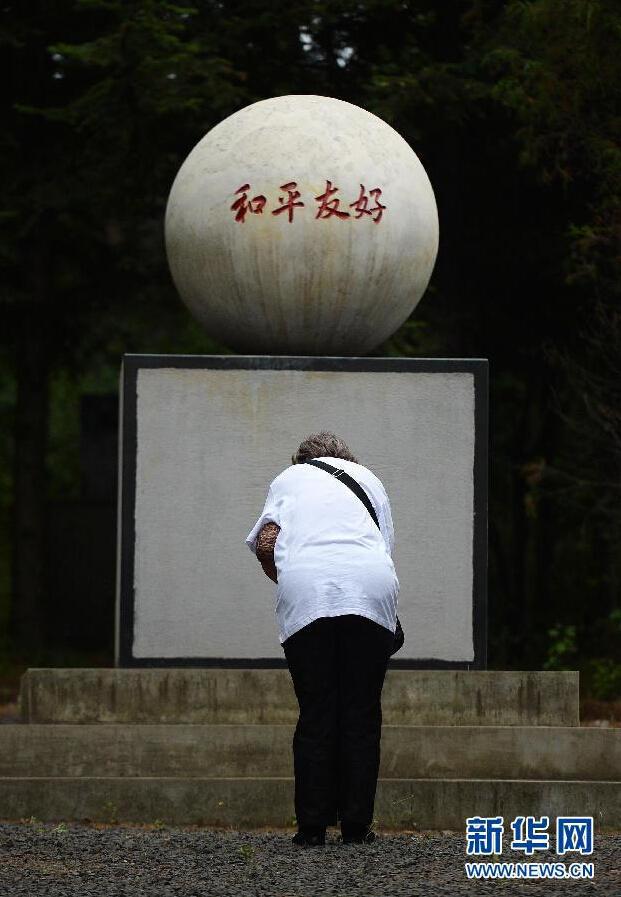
{"x":76,"y":860}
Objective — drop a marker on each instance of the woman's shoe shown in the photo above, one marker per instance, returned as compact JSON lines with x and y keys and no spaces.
{"x":357,"y":834}
{"x":310,"y":836}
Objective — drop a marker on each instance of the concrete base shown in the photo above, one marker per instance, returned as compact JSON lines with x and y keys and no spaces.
{"x":216,"y":695}
{"x":251,"y":803}
{"x":214,"y":746}
{"x":425,"y":752}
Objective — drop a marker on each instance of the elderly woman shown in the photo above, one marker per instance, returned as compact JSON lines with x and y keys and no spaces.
{"x":336,"y":606}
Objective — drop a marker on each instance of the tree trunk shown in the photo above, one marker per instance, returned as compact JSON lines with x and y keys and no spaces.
{"x":29,"y":494}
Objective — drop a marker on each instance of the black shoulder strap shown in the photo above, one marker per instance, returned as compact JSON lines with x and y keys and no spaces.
{"x":345,"y":478}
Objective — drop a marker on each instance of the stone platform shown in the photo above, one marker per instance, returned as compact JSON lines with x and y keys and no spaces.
{"x":213,"y":746}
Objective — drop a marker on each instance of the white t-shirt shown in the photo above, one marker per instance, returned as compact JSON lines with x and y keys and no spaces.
{"x":330,"y":557}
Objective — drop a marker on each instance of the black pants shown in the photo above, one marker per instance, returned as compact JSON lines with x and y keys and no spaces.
{"x":338,"y":665}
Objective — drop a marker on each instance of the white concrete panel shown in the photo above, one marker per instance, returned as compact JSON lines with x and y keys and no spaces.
{"x":210,"y":441}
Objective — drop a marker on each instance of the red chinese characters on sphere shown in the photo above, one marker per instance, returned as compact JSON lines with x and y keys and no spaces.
{"x":363,"y":201}
{"x":291,"y":201}
{"x":368,"y":203}
{"x":329,"y":207}
{"x":243,"y":205}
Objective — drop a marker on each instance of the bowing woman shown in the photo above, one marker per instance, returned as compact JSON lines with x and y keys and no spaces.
{"x":336,"y":608}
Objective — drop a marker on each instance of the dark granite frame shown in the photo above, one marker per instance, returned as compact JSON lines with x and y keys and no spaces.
{"x":127,"y":483}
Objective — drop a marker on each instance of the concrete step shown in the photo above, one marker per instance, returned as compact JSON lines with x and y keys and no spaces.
{"x":222,"y":695}
{"x":255,"y":802}
{"x":435,"y":752}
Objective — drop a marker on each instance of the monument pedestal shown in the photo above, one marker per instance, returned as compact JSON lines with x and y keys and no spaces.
{"x":201,"y":439}
{"x":213,"y":746}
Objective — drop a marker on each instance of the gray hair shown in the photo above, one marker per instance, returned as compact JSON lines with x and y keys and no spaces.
{"x":320,"y":445}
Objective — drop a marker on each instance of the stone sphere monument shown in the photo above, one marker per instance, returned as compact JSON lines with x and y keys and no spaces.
{"x":301,"y":225}
{"x":299,"y":231}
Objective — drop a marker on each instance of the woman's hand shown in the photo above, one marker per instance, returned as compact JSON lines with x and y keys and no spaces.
{"x":266,"y":540}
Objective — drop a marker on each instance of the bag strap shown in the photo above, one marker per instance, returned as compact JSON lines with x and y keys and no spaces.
{"x":355,"y":487}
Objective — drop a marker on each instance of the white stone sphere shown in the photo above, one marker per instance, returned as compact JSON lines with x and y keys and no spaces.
{"x":264,"y":275}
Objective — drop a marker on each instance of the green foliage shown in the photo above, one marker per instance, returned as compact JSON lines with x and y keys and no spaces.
{"x":557,"y":67}
{"x":600,"y":674}
{"x":513,"y":109}
{"x":111,"y":812}
{"x":604,"y":678}
{"x":63,"y":457}
{"x":562,"y":649}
